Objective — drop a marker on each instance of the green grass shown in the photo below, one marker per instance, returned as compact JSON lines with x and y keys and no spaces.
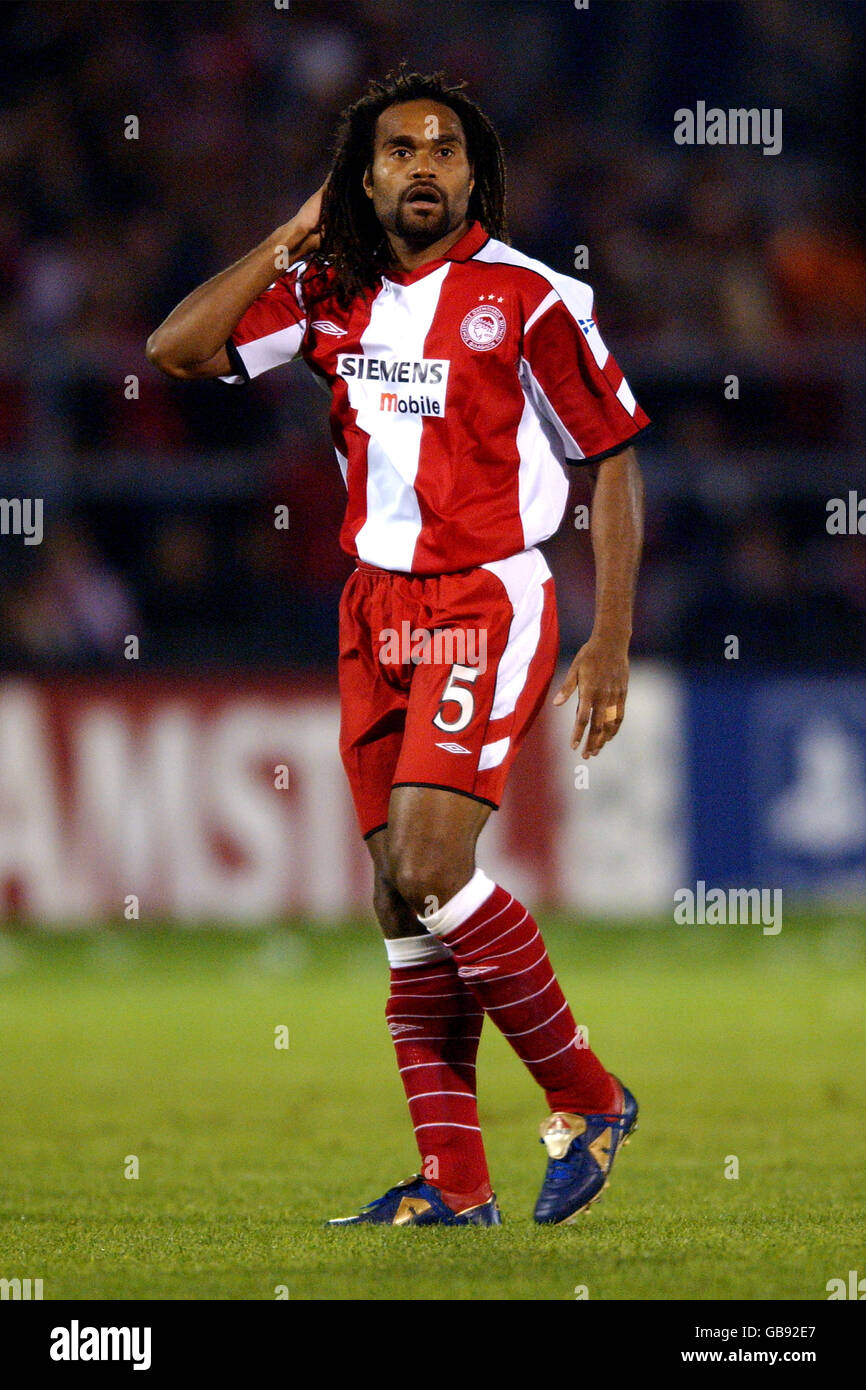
{"x":161,"y":1044}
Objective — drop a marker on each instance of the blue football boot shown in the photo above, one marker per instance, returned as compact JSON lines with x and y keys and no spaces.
{"x":581,"y":1150}
{"x":415,"y":1202}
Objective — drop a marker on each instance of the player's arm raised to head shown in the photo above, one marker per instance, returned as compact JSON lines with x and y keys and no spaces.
{"x":190,"y":342}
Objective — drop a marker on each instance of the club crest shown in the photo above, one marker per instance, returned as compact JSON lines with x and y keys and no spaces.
{"x":483,"y":327}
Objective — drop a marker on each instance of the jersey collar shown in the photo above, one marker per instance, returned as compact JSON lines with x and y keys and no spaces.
{"x":463,"y":250}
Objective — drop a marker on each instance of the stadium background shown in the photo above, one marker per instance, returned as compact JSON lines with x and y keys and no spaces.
{"x":136,"y":793}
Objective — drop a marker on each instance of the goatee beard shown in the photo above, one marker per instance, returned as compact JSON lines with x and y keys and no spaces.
{"x":420,"y":237}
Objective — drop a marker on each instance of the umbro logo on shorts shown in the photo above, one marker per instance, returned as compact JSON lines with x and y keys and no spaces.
{"x":453,"y":747}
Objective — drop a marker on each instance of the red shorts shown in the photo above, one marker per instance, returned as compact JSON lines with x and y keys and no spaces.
{"x":441,"y":677}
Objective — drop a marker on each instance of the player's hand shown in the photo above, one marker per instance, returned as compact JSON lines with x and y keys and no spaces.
{"x":599,"y":672}
{"x":304,"y":232}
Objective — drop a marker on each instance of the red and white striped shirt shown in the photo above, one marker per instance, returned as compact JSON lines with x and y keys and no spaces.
{"x":458,"y":391}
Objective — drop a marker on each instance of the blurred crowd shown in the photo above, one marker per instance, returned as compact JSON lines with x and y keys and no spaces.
{"x":160,"y":496}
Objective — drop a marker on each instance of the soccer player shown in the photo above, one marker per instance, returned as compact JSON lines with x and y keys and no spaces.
{"x":463,"y":375}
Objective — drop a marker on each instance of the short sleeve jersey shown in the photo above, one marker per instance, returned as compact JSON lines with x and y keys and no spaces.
{"x":458,"y":392}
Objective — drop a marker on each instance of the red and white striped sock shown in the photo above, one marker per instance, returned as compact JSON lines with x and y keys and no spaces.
{"x":435,"y":1023}
{"x":501,"y":956}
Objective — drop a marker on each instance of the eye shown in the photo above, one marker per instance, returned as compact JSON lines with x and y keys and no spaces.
{"x":447,"y":149}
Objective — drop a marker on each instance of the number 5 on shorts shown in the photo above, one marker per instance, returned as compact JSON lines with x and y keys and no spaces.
{"x":461,"y":697}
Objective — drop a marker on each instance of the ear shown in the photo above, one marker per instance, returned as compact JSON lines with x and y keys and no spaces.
{"x":368,"y":181}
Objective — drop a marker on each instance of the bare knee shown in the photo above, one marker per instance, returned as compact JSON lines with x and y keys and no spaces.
{"x":394,"y":915}
{"x":427,"y":871}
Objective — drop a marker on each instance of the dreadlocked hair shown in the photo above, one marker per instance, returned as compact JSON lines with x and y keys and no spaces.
{"x":353,"y":243}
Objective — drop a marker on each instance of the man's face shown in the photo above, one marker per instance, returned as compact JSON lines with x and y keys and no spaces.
{"x":420,"y":178}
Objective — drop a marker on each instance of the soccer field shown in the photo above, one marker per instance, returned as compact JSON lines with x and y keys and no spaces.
{"x":160,"y":1046}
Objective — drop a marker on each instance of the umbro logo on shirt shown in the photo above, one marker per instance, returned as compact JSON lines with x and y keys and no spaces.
{"x":453,"y":747}
{"x":325,"y":326}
